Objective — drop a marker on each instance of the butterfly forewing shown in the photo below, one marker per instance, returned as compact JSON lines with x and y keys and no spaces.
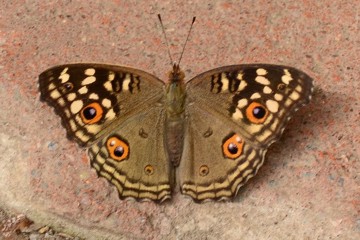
{"x":90,"y":97}
{"x":235,"y":92}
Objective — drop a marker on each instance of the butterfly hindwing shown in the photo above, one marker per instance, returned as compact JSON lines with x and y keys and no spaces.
{"x":233,"y":114}
{"x":90,"y":97}
{"x":216,"y":174}
{"x":133,"y":158}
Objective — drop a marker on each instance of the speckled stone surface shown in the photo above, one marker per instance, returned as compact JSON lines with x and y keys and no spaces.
{"x":309,"y":187}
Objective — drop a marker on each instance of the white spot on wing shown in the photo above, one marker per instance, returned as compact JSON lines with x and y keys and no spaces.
{"x":79,"y":120}
{"x":237,"y":115}
{"x":261,"y":71}
{"x":126,"y":82}
{"x":294,"y":96}
{"x":83,"y":90}
{"x":243,"y":166}
{"x":255,"y":96}
{"x":106,"y":103}
{"x":82,"y":136}
{"x":94,"y":128}
{"x":73,"y":125}
{"x":264,"y":135}
{"x":61,"y":102}
{"x":267,"y":90}
{"x":51,"y":86}
{"x":298,"y":88}
{"x":64,"y":76}
{"x":278,"y":97}
{"x":71,"y":97}
{"x":55,"y":94}
{"x":108,"y":86}
{"x":262,"y":80}
{"x":272,"y":106}
{"x":94,"y":96}
{"x":242,"y":85}
{"x":111,"y":76}
{"x":76,"y":106}
{"x":288,"y":102}
{"x":102,"y":160}
{"x":225,"y":82}
{"x":242,"y":103}
{"x":274,"y":125}
{"x":254,"y":128}
{"x":286,"y":78}
{"x":110,"y":115}
{"x":67,"y":112}
{"x":90,"y":71}
{"x":88,"y":80}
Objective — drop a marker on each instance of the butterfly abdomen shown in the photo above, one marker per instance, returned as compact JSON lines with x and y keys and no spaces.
{"x":174,"y":140}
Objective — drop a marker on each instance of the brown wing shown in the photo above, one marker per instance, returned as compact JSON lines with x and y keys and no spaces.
{"x":132,"y":157}
{"x":234,"y":114}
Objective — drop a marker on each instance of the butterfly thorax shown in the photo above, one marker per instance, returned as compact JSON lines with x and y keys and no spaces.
{"x":175,"y":102}
{"x":175,"y":93}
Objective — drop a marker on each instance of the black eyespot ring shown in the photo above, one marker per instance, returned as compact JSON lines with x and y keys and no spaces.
{"x":232,"y":148}
{"x":89,"y":113}
{"x":119,"y":151}
{"x":259,"y":112}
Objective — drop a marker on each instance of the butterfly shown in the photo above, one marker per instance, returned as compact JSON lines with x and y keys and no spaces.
{"x":209,"y":135}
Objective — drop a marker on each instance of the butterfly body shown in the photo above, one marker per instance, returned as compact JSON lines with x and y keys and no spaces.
{"x":211,"y":132}
{"x":175,"y":115}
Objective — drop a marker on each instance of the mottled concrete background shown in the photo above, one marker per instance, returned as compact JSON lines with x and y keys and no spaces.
{"x":309,"y":187}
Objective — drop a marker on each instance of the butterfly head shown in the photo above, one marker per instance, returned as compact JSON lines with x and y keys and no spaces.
{"x":176,"y":75}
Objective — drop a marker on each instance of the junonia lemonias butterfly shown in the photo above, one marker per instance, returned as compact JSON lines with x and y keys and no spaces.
{"x":208,"y":135}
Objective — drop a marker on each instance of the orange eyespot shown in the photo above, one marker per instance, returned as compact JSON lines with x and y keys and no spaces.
{"x":256,"y":113}
{"x":92,"y":113}
{"x":149,"y":170}
{"x":117,"y":148}
{"x":233,"y":146}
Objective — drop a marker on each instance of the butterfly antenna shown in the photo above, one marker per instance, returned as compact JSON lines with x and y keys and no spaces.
{"x":166,"y":40}
{"x":187,"y":38}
